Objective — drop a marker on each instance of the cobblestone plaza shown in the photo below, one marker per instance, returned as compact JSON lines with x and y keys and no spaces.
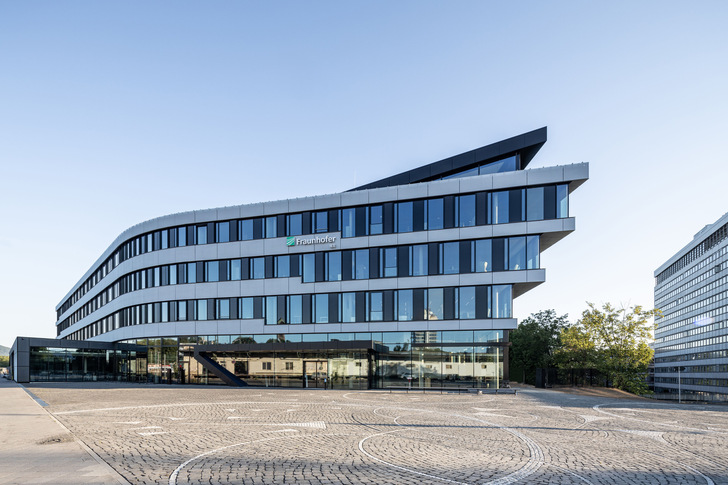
{"x":182,"y":435}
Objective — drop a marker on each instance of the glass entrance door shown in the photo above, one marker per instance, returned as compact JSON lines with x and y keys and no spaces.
{"x":315,"y":373}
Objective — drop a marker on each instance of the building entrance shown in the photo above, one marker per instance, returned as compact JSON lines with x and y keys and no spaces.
{"x":315,"y":373}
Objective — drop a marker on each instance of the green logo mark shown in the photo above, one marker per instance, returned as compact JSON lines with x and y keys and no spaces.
{"x":290,"y":241}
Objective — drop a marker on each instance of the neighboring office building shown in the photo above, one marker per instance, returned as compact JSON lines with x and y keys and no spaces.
{"x":691,"y":290}
{"x":410,"y":277}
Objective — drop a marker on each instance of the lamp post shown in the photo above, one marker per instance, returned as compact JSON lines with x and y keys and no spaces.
{"x":679,"y":384}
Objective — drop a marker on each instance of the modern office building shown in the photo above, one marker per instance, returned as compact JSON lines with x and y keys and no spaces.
{"x":691,"y":339}
{"x":408,"y":280}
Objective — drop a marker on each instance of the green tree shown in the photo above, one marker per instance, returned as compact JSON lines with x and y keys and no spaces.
{"x":614,"y":341}
{"x":576,"y":351}
{"x":534,"y":342}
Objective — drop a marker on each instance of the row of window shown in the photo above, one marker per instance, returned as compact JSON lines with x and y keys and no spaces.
{"x":711,"y":241}
{"x":711,"y":300}
{"x":715,"y":314}
{"x":694,"y":294}
{"x":403,"y":339}
{"x":709,"y":260}
{"x":660,"y":296}
{"x":711,"y":354}
{"x":451,"y":303}
{"x":693,"y":381}
{"x":474,"y":256}
{"x":505,"y":206}
{"x":721,"y":339}
{"x":712,"y":327}
{"x":693,"y":368}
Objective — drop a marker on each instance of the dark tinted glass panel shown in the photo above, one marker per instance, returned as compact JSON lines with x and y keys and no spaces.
{"x":361,"y":262}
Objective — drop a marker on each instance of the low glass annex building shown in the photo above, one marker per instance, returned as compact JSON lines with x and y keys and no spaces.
{"x":691,"y":339}
{"x":408,"y":280}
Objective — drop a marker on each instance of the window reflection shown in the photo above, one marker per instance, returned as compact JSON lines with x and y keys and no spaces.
{"x":405,"y":305}
{"x":390,"y":262}
{"x":466,"y":210}
{"x":435,"y":214}
{"x":534,"y":204}
{"x":294,"y":224}
{"x":321,"y":221}
{"x":418,"y":260}
{"x":348,"y":223}
{"x":435,"y":304}
{"x":404,"y":217}
{"x":501,"y":301}
{"x":376,"y":221}
{"x":271,"y":226}
{"x":361,"y":262}
{"x":500,"y":207}
{"x":376,"y":306}
{"x":483,"y":255}
{"x":450,"y":258}
{"x":348,"y":307}
{"x":466,"y":302}
{"x":321,"y":308}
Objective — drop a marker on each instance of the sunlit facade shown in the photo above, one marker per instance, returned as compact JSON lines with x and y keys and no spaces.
{"x":408,"y":280}
{"x":691,"y":339}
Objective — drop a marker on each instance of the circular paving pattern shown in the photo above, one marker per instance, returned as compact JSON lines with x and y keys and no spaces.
{"x":190,"y":435}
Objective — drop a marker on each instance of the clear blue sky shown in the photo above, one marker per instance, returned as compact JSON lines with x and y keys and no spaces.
{"x":112,"y":113}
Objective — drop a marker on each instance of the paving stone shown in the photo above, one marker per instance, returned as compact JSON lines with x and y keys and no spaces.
{"x":186,"y":435}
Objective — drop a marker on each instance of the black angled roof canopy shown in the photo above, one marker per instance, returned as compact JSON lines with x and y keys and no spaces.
{"x":526,"y":145}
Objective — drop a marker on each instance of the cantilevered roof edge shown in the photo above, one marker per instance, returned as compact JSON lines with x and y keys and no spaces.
{"x":528,"y":144}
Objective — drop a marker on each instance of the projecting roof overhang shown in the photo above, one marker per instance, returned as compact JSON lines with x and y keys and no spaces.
{"x":527,"y":145}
